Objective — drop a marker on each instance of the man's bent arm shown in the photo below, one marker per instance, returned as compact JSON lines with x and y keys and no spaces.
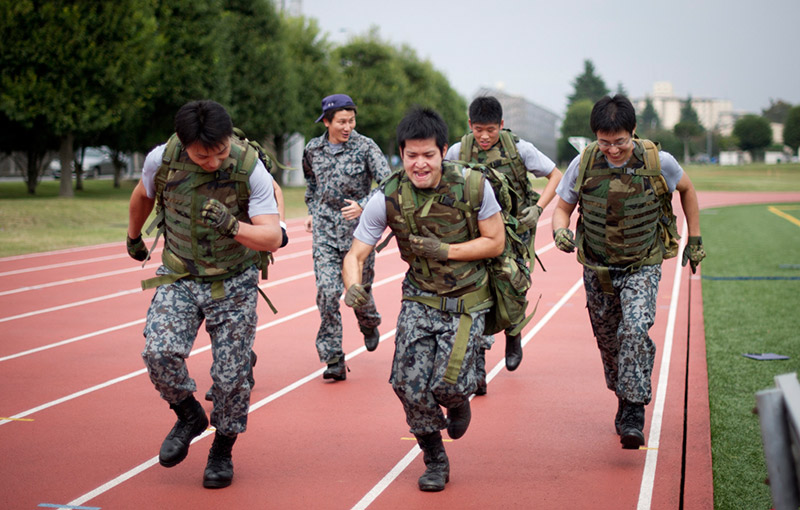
{"x":264,"y":234}
{"x":562,"y":213}
{"x":490,"y":243}
{"x":353,"y":263}
{"x":138,"y":210}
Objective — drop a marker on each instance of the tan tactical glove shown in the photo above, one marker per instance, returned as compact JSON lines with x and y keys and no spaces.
{"x":694,"y":252}
{"x":216,"y":216}
{"x":136,"y":248}
{"x":565,"y":239}
{"x":428,"y":245}
{"x":356,"y":296}
{"x":530,"y":216}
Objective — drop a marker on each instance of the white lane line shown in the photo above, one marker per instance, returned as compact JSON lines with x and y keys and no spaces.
{"x":649,"y":473}
{"x":205,"y":348}
{"x":390,"y":477}
{"x":70,"y":305}
{"x":73,"y":339}
{"x":77,"y":280}
{"x":253,"y":407}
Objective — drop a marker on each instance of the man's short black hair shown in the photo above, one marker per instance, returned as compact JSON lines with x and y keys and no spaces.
{"x":331,"y":113}
{"x":485,"y":110}
{"x":205,"y":122}
{"x":422,"y":124}
{"x":613,"y":114}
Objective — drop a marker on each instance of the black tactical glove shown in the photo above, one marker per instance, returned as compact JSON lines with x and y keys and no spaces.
{"x":136,"y":248}
{"x":429,"y":246}
{"x":356,"y":296}
{"x":565,"y":239}
{"x":530,"y":216}
{"x":216,"y":216}
{"x":694,"y":252}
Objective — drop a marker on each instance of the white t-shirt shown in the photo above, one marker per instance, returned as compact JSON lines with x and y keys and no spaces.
{"x":262,"y":193}
{"x":373,"y":218}
{"x":670,"y":169}
{"x":535,"y":160}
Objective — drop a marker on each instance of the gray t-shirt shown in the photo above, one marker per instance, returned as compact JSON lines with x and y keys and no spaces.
{"x":262,"y":193}
{"x":535,"y":160}
{"x":670,"y":169}
{"x":373,"y":217}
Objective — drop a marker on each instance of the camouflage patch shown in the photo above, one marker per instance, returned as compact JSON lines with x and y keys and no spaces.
{"x":423,"y":344}
{"x":173,"y":320}
{"x":621,"y":322}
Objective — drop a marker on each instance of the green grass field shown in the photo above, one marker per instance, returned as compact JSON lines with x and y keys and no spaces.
{"x":741,"y":315}
{"x":747,"y":316}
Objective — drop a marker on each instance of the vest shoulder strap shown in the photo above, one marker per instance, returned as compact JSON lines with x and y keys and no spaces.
{"x":509,"y":141}
{"x":587,"y":160}
{"x":465,"y":154}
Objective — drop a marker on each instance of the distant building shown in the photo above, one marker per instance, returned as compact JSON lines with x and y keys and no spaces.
{"x":528,"y":120}
{"x":713,"y":114}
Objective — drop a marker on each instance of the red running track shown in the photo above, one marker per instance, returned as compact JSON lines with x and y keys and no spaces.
{"x":81,"y":425}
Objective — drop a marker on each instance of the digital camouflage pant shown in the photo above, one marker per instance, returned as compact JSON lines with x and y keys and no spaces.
{"x":332,"y":240}
{"x":621,"y":322}
{"x":173,"y":320}
{"x":423,"y":344}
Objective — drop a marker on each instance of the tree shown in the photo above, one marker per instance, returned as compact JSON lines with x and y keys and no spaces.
{"x":576,"y":123}
{"x":588,"y":85}
{"x":754,"y":133}
{"x":374,"y":78}
{"x":76,"y":73}
{"x":314,"y":73}
{"x":688,"y":127}
{"x":429,"y":87}
{"x":791,"y":128}
{"x":777,"y":111}
{"x":648,"y":120}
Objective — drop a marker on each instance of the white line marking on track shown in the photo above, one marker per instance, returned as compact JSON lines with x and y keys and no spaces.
{"x":253,"y":407}
{"x":381,"y":486}
{"x":195,"y":351}
{"x":649,"y":474}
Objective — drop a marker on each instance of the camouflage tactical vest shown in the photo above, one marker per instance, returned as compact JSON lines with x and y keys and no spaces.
{"x":446,"y":213}
{"x":190,"y":246}
{"x":504,"y":158}
{"x":626,"y":217}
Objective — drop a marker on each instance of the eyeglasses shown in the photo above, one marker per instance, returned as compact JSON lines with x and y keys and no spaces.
{"x":607,"y":145}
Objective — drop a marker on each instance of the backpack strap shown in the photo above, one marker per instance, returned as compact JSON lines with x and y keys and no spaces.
{"x":465,"y":154}
{"x":587,"y":160}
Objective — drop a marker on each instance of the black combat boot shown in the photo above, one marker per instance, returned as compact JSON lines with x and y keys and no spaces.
{"x":480,"y":368}
{"x":192,"y":421}
{"x":458,"y":419}
{"x":513,"y":351}
{"x":337,"y":370}
{"x":250,"y":378}
{"x":219,"y":469}
{"x":618,"y":417}
{"x":437,"y":467}
{"x":371,"y":337}
{"x":632,"y":426}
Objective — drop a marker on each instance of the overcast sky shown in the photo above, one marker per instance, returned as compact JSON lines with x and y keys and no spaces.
{"x":746,"y":52}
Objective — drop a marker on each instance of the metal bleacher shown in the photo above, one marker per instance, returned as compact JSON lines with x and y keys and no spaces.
{"x":779,"y":416}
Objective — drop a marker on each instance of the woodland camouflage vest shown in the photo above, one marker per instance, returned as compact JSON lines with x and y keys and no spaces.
{"x":182,"y":188}
{"x":446,"y":213}
{"x":503,"y":157}
{"x":626,"y":217}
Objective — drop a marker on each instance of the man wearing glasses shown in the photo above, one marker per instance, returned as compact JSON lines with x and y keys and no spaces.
{"x":625,"y":229}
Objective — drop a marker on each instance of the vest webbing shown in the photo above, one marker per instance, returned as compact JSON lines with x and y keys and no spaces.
{"x":463,"y":303}
{"x":628,"y":232}
{"x":176,"y":183}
